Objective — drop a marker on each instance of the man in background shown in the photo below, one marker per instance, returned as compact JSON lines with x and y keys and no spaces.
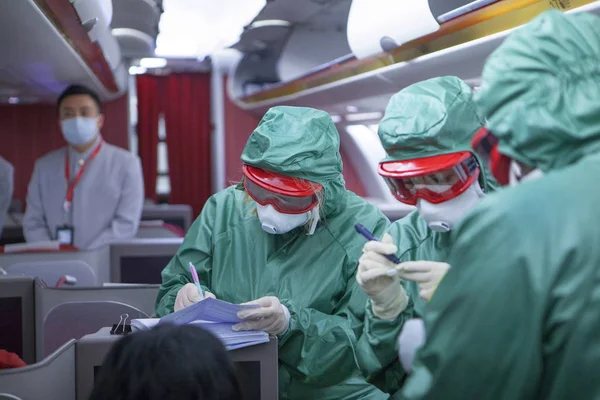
{"x":88,"y":193}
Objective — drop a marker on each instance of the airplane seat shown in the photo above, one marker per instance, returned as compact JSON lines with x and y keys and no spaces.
{"x":152,"y":229}
{"x":74,"y":320}
{"x":53,"y":378}
{"x":55,"y":272}
{"x":180,"y":215}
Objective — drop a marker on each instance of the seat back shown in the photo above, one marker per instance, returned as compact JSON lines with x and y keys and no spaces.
{"x":180,"y":215}
{"x":17,"y":317}
{"x":51,"y":271}
{"x":51,"y":379}
{"x":74,"y":320}
{"x":158,"y":229}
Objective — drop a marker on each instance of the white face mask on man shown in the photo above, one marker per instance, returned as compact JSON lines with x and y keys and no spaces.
{"x":443,"y":217}
{"x":79,"y":130}
{"x":276,"y":223}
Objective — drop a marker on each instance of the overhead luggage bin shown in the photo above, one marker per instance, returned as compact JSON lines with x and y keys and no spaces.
{"x":370,"y":31}
{"x":459,"y":47}
{"x":46,"y":46}
{"x":96,"y":14}
{"x":135,"y":26}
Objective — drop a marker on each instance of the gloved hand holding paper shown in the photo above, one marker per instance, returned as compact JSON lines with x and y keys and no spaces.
{"x":209,"y":309}
{"x":271,"y":316}
{"x":217,"y":316}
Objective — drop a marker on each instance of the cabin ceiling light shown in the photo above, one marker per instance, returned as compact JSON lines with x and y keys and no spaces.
{"x":13,"y":100}
{"x":270,"y":22}
{"x":153,"y":62}
{"x":351,"y":109}
{"x":135,"y":70}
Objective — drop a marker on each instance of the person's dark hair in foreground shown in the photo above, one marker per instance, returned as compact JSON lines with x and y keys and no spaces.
{"x":167,"y":362}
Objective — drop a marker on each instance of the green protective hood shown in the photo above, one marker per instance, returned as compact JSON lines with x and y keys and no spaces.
{"x":299,"y":142}
{"x":541,"y":90}
{"x":433,"y":117}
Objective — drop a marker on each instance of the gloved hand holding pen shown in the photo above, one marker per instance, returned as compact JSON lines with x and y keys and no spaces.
{"x":376,"y":273}
{"x":191,"y":293}
{"x":188,"y":295}
{"x":378,"y":278}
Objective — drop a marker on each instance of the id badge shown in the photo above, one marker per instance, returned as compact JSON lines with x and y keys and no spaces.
{"x":64,"y":234}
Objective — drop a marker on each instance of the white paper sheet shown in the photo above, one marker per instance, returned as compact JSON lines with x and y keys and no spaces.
{"x":207,"y":310}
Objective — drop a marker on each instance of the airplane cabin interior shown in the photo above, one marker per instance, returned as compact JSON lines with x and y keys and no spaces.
{"x":178,"y":88}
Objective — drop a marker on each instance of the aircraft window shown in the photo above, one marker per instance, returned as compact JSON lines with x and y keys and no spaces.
{"x":163,"y":163}
{"x":162,"y":128}
{"x":133,"y":116}
{"x":163,"y":185}
{"x":163,"y":182}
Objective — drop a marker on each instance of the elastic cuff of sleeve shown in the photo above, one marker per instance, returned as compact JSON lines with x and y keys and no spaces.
{"x":286,"y":312}
{"x":390,"y":308}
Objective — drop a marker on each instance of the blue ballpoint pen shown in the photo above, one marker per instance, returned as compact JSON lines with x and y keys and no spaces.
{"x":365,"y":232}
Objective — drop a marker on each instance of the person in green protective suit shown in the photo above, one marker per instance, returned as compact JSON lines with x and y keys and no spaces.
{"x":516,"y":317}
{"x":284,"y":238}
{"x":426,"y":132}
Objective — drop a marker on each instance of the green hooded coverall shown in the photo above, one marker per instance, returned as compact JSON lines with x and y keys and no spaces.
{"x":430,"y":118}
{"x":516,"y":317}
{"x":313,"y":276}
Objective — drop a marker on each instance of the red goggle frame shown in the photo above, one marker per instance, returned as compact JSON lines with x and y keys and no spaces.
{"x":435,"y":179}
{"x":286,"y":194}
{"x":485,"y":144}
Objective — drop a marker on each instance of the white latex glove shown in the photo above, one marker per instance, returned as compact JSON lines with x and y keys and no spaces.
{"x":427,"y":274}
{"x":271,"y":317}
{"x":411,"y":338}
{"x":188,"y":295}
{"x":378,"y":278}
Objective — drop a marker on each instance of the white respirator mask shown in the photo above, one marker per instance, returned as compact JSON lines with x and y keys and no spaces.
{"x":276,"y":223}
{"x":443,"y":217}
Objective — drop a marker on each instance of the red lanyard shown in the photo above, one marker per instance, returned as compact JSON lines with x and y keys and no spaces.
{"x":72,"y":184}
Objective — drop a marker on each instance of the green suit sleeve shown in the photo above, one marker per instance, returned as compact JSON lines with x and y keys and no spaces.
{"x":196,"y":248}
{"x":482,"y":324}
{"x":321,"y":349}
{"x":379,"y":344}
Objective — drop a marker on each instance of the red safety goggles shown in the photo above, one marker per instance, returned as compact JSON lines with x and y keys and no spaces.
{"x":286,"y":194}
{"x":485,"y":145}
{"x":435,"y":179}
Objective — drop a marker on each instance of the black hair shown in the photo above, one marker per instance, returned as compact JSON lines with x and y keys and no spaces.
{"x":168,"y":362}
{"x":75,"y":90}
